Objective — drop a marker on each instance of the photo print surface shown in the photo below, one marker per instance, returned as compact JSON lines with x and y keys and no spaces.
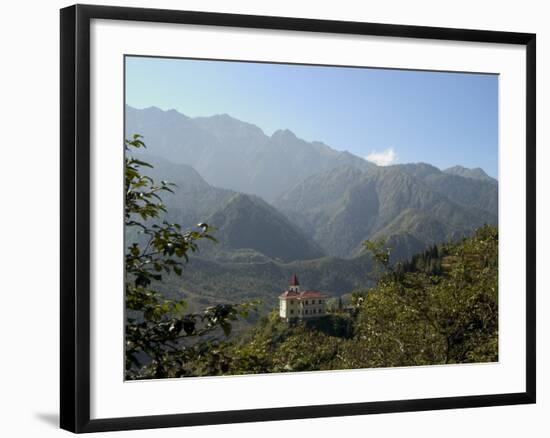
{"x":286,"y":218}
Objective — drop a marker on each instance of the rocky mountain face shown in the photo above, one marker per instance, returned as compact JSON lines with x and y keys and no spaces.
{"x":475,"y":173}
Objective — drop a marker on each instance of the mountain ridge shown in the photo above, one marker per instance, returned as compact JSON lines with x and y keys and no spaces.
{"x":229,"y":125}
{"x":233,"y":154}
{"x":329,"y":200}
{"x":360,"y":206}
{"x":474,"y":173}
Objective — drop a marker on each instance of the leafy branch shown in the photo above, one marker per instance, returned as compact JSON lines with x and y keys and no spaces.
{"x":157,"y":328}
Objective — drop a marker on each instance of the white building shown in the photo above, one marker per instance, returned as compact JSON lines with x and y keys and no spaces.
{"x":295,"y":303}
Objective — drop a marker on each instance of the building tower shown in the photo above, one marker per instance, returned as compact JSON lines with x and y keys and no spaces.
{"x":294,"y":285}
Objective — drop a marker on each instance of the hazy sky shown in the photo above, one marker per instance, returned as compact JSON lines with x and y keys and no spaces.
{"x":389,"y":116}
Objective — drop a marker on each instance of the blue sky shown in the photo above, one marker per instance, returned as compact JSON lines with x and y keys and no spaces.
{"x":389,"y":116}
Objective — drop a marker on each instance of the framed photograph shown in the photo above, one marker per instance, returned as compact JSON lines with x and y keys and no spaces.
{"x":267,"y":218}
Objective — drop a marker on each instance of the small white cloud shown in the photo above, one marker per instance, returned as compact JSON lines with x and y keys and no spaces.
{"x":384,"y":158}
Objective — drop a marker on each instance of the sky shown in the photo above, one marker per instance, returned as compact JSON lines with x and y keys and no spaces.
{"x":385,"y":116}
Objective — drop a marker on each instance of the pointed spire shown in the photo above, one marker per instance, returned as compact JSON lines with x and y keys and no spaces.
{"x":294,"y":280}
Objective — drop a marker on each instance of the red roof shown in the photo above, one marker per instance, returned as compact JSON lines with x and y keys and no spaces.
{"x":302,"y":295}
{"x":289,"y":294}
{"x":294,"y":280}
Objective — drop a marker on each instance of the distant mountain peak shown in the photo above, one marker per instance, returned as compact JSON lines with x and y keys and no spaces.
{"x":284,"y":133}
{"x":424,"y":165}
{"x":221,"y":117}
{"x":158,"y":113}
{"x":223,"y":125}
{"x":474,"y":173}
{"x":156,"y":109}
{"x":459,"y":168}
{"x":240,"y":199}
{"x":420,"y":170}
{"x":248,"y":222}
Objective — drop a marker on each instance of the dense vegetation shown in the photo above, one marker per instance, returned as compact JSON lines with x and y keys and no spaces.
{"x":440,"y":307}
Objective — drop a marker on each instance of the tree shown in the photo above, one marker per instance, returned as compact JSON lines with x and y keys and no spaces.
{"x":380,"y":253}
{"x":381,"y":257}
{"x":162,"y":340}
{"x":442,"y":309}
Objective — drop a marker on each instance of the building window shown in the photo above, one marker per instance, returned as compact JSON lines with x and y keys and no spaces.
{"x":291,"y":311}
{"x":320,"y":302}
{"x":306,"y":302}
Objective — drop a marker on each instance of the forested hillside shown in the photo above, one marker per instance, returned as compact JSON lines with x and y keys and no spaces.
{"x":417,"y":202}
{"x":439,"y":307}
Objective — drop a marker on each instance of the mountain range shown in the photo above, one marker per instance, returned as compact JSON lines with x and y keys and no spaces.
{"x":413,"y":205}
{"x":233,"y":154}
{"x":279,"y":200}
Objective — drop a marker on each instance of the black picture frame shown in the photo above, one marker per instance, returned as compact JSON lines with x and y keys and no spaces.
{"x":75,"y":217}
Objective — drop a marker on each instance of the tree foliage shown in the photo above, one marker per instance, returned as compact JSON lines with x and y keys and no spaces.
{"x":440,"y":307}
{"x":161,"y":339}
